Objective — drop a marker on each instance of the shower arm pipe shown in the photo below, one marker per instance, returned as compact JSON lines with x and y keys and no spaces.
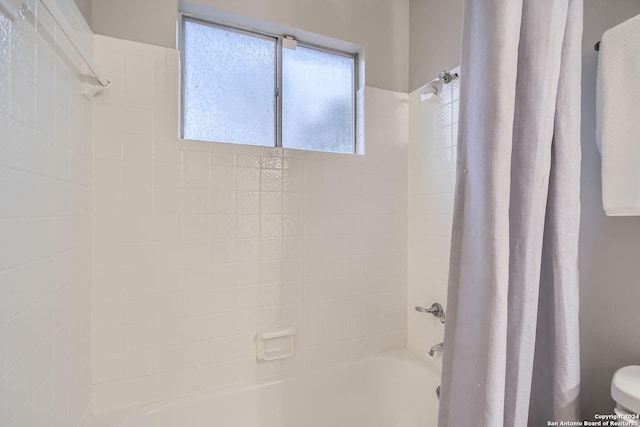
{"x":9,"y":10}
{"x":447,"y":77}
{"x":84,"y":53}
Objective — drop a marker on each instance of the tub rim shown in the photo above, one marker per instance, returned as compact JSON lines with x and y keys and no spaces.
{"x":117,"y":417}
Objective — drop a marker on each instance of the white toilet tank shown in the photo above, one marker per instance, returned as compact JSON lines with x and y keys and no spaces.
{"x":625,"y":390}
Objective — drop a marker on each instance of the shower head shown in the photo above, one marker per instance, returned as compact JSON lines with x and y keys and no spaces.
{"x":431,"y":91}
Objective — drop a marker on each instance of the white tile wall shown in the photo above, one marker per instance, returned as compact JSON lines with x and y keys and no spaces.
{"x":197,"y":245}
{"x":45,"y":171}
{"x":432,"y":167}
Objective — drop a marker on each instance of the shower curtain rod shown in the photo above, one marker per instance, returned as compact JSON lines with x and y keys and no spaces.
{"x":8,"y":8}
{"x":64,"y":25}
{"x":12,"y":11}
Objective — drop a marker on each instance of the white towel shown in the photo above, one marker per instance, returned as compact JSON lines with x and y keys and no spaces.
{"x":618,"y":118}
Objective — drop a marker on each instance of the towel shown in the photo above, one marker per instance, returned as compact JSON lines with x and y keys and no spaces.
{"x":618,"y":118}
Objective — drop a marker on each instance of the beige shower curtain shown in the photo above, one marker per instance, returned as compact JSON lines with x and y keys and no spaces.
{"x":511,"y":341}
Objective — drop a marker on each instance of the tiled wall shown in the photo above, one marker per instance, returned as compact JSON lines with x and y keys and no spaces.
{"x":198,"y":245}
{"x":45,"y":171}
{"x":432,"y":167}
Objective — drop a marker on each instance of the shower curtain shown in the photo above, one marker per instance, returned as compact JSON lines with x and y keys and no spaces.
{"x":511,"y":341}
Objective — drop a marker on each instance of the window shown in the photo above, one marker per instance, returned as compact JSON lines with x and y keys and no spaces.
{"x":244,"y":87}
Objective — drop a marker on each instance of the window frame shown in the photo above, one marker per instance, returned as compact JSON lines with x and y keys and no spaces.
{"x":278,"y":38}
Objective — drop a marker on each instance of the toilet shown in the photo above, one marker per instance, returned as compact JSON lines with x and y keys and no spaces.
{"x":625,"y":390}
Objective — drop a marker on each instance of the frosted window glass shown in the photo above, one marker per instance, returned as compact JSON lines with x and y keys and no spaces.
{"x":317,"y":100}
{"x":229,"y":85}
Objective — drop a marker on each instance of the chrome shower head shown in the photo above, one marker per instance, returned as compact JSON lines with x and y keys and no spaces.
{"x":431,"y":91}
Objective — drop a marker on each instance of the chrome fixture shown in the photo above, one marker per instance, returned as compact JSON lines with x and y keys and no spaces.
{"x":435,"y":309}
{"x":436,"y":349}
{"x":63,"y":26}
{"x":431,"y":91}
{"x":447,"y":77}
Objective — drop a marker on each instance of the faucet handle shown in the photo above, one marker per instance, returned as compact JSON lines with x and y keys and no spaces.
{"x":435,"y":309}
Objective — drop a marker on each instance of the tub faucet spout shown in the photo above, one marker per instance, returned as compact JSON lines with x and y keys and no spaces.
{"x":436,"y":349}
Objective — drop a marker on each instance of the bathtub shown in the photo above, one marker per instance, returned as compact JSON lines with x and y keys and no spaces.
{"x":393,"y":389}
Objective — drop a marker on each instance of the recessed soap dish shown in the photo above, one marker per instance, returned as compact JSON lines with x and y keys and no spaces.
{"x":275,"y":343}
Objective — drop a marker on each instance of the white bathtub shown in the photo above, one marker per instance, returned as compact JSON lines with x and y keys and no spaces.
{"x":394,"y":389}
